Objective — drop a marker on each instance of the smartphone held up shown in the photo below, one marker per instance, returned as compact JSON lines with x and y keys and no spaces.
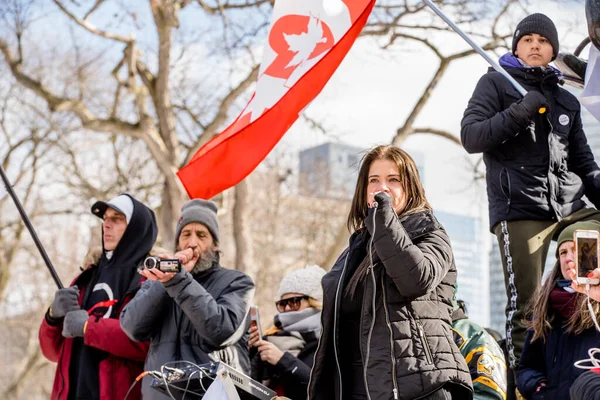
{"x":587,"y":250}
{"x":255,"y":320}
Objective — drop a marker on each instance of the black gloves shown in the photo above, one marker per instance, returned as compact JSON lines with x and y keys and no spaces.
{"x":74,"y":323}
{"x":65,"y":300}
{"x":525,"y":110}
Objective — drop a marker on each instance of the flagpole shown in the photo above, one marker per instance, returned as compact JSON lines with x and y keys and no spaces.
{"x":483,"y":54}
{"x":478,"y":49}
{"x":27,"y":222}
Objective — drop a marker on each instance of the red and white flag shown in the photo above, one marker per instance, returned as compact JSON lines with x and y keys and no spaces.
{"x":308,"y":40}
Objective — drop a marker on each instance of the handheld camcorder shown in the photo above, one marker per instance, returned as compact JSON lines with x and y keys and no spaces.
{"x":163,"y":265}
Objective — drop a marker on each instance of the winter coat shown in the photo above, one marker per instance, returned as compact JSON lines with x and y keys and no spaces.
{"x":411,"y":348}
{"x":291,"y":372}
{"x":587,"y":386}
{"x":198,"y":318}
{"x":553,"y":361}
{"x":543,"y":179}
{"x":125,"y":358}
{"x":483,"y":355}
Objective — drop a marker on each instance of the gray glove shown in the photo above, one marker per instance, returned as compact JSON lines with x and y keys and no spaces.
{"x":65,"y":300}
{"x":74,"y":323}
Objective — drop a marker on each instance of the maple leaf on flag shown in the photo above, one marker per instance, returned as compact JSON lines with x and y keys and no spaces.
{"x":313,"y":48}
{"x":304,"y":44}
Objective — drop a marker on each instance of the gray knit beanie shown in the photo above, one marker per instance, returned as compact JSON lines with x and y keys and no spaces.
{"x":540,"y":24}
{"x":306,"y":281}
{"x":566,"y":235}
{"x":202,"y":211}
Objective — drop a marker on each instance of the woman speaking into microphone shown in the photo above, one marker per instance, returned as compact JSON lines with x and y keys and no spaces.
{"x":388,"y":298}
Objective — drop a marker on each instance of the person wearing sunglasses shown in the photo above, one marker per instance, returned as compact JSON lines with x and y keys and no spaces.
{"x":283,"y":358}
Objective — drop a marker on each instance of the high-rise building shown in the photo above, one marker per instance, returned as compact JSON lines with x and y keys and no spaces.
{"x":473,"y":275}
{"x":329,"y":170}
{"x":497,"y":290}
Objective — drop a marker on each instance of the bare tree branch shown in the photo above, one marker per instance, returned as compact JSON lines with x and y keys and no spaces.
{"x":59,"y":104}
{"x":220,"y":8}
{"x":90,"y":27}
{"x":211,"y":129}
{"x":94,"y":8}
{"x":439,"y":132}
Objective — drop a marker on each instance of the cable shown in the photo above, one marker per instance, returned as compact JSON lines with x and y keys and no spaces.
{"x":139,"y":377}
{"x":590,"y":308}
{"x":593,"y":360}
{"x":165,"y":380}
{"x":167,"y":384}
{"x":188,"y":383}
{"x":373,"y":305}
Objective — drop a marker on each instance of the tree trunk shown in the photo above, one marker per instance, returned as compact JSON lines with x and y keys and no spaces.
{"x":244,"y":258}
{"x":172,"y":200}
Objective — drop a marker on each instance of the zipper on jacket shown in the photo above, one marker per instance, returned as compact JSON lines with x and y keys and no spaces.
{"x":335,"y":314}
{"x":310,"y":375}
{"x":424,"y":342}
{"x":369,"y":336}
{"x":387,"y":320}
{"x":552,"y":189}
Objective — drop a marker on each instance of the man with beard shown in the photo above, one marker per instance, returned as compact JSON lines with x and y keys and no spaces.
{"x":81,"y":330}
{"x":198,"y":314}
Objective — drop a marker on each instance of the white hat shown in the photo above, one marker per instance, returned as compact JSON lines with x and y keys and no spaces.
{"x":306,"y":281}
{"x":122,"y":203}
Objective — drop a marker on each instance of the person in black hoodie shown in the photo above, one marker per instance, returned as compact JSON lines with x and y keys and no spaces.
{"x":81,"y":329}
{"x":562,"y":328}
{"x":283,"y":358}
{"x":538,"y":165}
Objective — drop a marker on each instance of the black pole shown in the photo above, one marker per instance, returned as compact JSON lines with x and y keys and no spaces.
{"x":27,"y":222}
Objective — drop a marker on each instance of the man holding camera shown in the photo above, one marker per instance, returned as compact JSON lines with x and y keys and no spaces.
{"x":81,"y":330}
{"x":197,"y":314}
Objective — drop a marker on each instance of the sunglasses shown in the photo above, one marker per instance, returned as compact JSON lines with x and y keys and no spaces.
{"x":293,"y":303}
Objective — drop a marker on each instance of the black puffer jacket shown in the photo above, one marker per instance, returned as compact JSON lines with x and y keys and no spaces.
{"x":411,"y":349}
{"x":541,"y":180}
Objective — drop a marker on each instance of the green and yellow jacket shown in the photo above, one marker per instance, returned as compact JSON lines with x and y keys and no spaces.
{"x":483,"y":355}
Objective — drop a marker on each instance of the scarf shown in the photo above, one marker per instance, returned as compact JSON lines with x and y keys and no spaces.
{"x":510,"y":60}
{"x":303,"y":321}
{"x":563,"y":299}
{"x":296,"y":329}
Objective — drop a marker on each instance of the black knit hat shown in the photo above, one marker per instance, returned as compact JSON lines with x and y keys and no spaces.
{"x":540,"y":24}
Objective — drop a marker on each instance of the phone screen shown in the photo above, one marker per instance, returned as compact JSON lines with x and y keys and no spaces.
{"x":587,"y":256}
{"x":255,"y":320}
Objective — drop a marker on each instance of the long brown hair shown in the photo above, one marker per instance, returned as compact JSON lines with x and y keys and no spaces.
{"x":409,"y":178}
{"x":540,"y":314}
